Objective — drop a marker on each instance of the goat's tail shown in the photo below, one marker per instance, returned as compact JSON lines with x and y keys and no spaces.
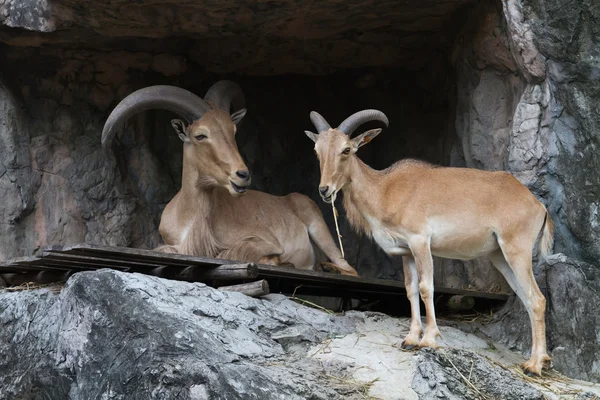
{"x":547,"y":240}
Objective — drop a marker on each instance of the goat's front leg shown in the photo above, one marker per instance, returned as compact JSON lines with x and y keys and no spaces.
{"x":411,"y":283}
{"x":422,"y":253}
{"x":319,"y":233}
{"x":311,"y":216}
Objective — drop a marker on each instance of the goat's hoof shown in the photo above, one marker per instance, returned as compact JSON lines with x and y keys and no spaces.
{"x":428,"y":343}
{"x":408,"y":346}
{"x":534,"y":367}
{"x":531,"y":373}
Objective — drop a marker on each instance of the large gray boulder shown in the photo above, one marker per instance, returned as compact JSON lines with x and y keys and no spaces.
{"x":111,"y":335}
{"x":114,"y":335}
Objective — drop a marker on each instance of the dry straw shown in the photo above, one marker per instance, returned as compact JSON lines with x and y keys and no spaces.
{"x":337,"y":228}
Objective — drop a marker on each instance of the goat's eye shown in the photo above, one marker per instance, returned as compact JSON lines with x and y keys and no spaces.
{"x":346,"y":151}
{"x":315,"y":151}
{"x":200,"y":137}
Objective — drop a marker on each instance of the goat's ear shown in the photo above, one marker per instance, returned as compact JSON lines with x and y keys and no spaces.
{"x":313,"y":136}
{"x":180,"y":128}
{"x":237,"y":116}
{"x":365,"y":138}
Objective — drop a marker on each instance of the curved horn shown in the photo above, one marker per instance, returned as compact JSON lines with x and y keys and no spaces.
{"x":350,"y":124}
{"x":319,"y":122}
{"x":224,"y":94}
{"x":172,"y":98}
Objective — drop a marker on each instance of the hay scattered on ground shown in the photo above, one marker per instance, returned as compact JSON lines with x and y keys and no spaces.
{"x":361,"y":388}
{"x":471,"y":317}
{"x":310,"y":304}
{"x":55,"y":287}
{"x":551,"y":380}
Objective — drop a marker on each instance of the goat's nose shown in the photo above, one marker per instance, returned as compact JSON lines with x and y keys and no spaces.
{"x":323,"y":190}
{"x":243,"y":174}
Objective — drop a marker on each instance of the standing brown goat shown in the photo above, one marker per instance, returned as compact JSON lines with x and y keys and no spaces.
{"x":417,"y":210}
{"x":214,"y":214}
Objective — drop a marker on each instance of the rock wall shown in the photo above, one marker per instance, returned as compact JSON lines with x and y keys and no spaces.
{"x":540,"y":61}
{"x":542,"y":123}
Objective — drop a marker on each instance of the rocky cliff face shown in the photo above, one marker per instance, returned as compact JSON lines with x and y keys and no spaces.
{"x":541,"y":124}
{"x":498,"y":85}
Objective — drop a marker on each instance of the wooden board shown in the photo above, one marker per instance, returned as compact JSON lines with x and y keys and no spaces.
{"x":81,"y":257}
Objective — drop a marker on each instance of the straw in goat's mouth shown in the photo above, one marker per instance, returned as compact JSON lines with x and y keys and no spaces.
{"x":337,"y":228}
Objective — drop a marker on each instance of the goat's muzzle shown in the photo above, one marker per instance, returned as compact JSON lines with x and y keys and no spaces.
{"x":327,"y":193}
{"x":240,"y":181}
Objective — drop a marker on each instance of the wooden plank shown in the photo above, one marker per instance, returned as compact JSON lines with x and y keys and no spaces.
{"x":141,"y":254}
{"x":182,"y":272}
{"x":31,"y":263}
{"x":73,"y":265}
{"x":96,"y":262}
{"x":187,"y":268}
{"x":367,"y":285}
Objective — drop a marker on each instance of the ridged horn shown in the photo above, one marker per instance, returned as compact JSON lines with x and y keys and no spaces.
{"x":319,"y":122}
{"x":350,"y":124}
{"x":180,"y":101}
{"x":224,"y":94}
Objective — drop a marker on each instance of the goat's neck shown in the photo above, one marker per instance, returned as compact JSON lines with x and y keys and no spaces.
{"x":363,"y":194}
{"x":196,"y":190}
{"x":196,"y":206}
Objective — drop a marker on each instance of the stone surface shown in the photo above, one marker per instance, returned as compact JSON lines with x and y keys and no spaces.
{"x":114,"y":335}
{"x":541,"y":123}
{"x":445,"y":375}
{"x":572,"y":290}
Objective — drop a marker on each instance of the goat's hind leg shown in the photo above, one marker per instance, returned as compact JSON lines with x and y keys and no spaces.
{"x":165,"y":248}
{"x":254,"y":249}
{"x":516,"y":267}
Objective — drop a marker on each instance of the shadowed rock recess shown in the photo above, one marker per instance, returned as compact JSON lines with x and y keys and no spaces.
{"x":499,"y":85}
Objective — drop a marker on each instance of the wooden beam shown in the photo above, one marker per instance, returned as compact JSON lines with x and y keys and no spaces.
{"x":126,"y":253}
{"x":223,"y":272}
{"x":80,"y":257}
{"x":252,"y":289}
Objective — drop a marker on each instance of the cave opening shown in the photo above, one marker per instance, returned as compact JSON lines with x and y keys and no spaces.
{"x":280,"y":157}
{"x":400,"y":59}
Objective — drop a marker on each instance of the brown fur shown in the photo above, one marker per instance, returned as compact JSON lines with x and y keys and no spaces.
{"x":416,"y":210}
{"x":209,"y":218}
